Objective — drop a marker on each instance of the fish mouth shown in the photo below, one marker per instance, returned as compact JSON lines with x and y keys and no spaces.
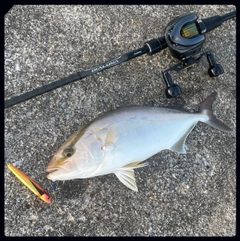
{"x":52,"y":172}
{"x":51,"y":169}
{"x":52,"y":166}
{"x":57,"y":174}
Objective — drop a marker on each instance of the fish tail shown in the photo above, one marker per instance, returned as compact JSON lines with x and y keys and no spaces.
{"x":206,"y":108}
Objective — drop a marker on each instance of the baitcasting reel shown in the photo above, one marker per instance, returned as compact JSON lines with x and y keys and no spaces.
{"x":185,"y":37}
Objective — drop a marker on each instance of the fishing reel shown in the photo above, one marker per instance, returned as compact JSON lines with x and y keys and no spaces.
{"x":185,"y":37}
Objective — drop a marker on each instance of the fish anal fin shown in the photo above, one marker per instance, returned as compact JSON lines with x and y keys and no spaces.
{"x":179,"y":146}
{"x":127,"y":177}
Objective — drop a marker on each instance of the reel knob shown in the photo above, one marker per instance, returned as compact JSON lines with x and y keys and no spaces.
{"x":214,"y":69}
{"x":172,"y":89}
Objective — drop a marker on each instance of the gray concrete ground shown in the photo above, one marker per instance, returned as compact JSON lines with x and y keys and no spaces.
{"x":192,"y":194}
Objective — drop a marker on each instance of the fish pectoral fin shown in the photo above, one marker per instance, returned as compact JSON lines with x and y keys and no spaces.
{"x":179,"y":146}
{"x":127,"y":177}
{"x":108,"y":147}
{"x":110,"y":140}
{"x":126,"y":174}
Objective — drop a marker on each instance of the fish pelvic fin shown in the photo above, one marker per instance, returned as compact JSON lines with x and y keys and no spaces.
{"x":134,"y":165}
{"x":206,"y":108}
{"x":127,"y":176}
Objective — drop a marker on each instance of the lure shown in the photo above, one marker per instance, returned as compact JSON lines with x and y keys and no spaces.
{"x":32,"y":185}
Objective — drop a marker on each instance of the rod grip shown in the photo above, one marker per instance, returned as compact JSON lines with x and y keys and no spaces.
{"x":41,"y":90}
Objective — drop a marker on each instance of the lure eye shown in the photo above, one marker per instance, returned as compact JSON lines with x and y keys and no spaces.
{"x":69,"y":151}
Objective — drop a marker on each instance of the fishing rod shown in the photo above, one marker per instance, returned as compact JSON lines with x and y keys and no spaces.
{"x":184,"y":36}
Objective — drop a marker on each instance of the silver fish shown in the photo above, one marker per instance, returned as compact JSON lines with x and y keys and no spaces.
{"x":119,"y":141}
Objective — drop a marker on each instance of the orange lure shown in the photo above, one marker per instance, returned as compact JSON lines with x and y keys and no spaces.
{"x":32,"y":185}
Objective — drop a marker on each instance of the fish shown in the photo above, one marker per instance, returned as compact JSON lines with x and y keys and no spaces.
{"x":120,"y":140}
{"x":32,"y":185}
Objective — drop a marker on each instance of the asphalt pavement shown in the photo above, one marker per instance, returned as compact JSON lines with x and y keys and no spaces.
{"x":191,"y":194}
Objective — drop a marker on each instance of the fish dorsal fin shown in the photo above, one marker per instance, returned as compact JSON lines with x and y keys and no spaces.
{"x":128,"y":104}
{"x":110,"y":140}
{"x":179,"y":146}
{"x":131,"y":105}
{"x":126,"y":174}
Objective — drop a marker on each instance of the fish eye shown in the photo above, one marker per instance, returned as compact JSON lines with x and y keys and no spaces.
{"x":69,"y":151}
